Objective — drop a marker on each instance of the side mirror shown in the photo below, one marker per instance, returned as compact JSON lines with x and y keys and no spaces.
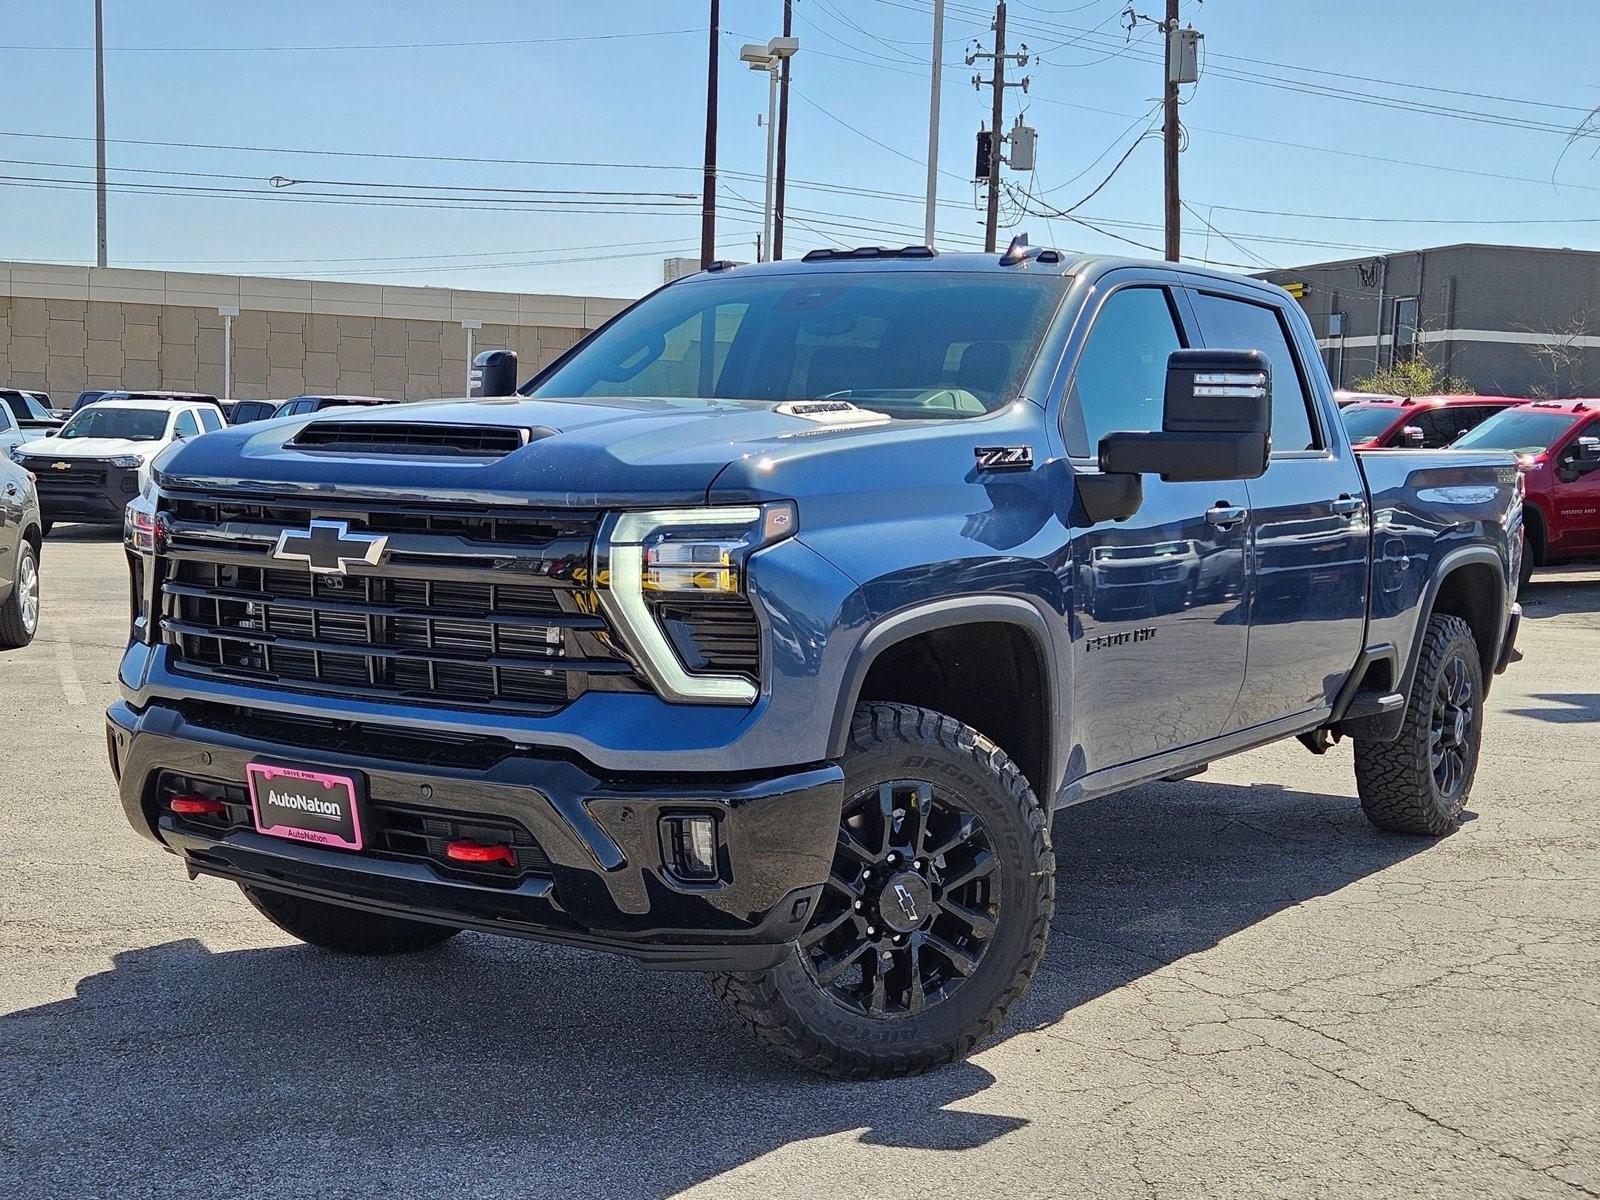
{"x":1585,"y":458}
{"x":1412,"y":437}
{"x":494,"y":373}
{"x":1216,"y":421}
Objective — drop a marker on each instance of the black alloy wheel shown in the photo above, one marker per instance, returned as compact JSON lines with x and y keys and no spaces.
{"x":909,"y":907}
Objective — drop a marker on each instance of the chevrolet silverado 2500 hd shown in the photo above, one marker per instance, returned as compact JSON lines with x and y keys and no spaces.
{"x":764,"y":630}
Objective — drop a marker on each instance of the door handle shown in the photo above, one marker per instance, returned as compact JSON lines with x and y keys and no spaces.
{"x":1348,"y":505}
{"x":1223,"y":514}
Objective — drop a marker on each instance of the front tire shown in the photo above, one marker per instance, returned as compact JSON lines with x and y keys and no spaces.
{"x":935,"y":913}
{"x":1419,"y":783}
{"x":345,"y":930}
{"x":19,"y":615}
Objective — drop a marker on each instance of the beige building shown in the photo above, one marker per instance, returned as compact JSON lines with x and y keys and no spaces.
{"x":64,"y":329}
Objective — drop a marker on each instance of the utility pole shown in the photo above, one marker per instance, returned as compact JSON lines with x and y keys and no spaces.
{"x":991,"y":218}
{"x":933,"y":121}
{"x":708,"y":198}
{"x":783,"y":135}
{"x":1169,"y":138}
{"x":100,"y":133}
{"x":997,"y":114}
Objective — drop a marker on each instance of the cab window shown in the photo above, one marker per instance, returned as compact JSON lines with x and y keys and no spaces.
{"x":185,"y":426}
{"x":1234,"y":324}
{"x":210,"y":419}
{"x":1120,"y":381}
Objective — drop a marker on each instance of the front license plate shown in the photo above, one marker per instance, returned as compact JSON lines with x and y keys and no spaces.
{"x":306,"y":806}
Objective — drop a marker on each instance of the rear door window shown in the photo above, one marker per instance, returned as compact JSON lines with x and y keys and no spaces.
{"x":1229,"y":323}
{"x":210,"y":418}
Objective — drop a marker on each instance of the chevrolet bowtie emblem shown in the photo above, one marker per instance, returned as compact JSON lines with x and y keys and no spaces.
{"x":61,"y":466}
{"x":328,"y":547}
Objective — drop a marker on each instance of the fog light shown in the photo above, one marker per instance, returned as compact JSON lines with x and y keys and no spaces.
{"x":691,"y":844}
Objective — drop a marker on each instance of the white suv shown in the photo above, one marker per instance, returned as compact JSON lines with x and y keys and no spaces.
{"x":93,"y":465}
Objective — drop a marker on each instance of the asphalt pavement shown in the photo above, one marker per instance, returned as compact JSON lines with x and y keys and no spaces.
{"x":1248,"y":992}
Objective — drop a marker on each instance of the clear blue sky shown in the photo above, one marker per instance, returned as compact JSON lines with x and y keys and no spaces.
{"x":295,"y":75}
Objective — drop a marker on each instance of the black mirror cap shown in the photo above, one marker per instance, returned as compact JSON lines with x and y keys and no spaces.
{"x":1186,"y":457}
{"x":494,"y":373}
{"x":1218,"y":391}
{"x":1588,"y":450}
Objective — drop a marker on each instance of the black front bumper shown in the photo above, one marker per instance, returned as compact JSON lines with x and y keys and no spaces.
{"x":77,"y":495}
{"x":604,"y":884}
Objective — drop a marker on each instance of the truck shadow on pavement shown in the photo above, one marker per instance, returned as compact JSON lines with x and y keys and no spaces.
{"x":494,"y":1067}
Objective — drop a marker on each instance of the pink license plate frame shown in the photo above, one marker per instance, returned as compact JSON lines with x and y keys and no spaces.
{"x":307,"y":790}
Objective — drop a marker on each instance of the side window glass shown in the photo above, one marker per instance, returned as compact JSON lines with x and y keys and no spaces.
{"x":1472,"y":417}
{"x":185,"y":425}
{"x":1438,"y":428}
{"x":1231,"y":324}
{"x":1120,"y":379}
{"x":210,"y":418}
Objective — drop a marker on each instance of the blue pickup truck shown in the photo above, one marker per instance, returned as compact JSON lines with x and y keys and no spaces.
{"x":762,"y":632}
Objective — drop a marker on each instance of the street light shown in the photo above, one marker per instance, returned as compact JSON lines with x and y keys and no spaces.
{"x":769,"y":58}
{"x":468,"y":326}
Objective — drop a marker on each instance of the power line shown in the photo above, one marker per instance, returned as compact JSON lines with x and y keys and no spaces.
{"x":446,"y":158}
{"x":541,"y":41}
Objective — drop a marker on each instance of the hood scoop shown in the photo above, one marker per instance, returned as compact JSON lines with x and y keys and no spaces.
{"x":414,"y":439}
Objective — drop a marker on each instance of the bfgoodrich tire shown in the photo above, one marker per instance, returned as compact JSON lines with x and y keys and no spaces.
{"x":346,"y":930}
{"x":1420,"y":782}
{"x":935,"y":913}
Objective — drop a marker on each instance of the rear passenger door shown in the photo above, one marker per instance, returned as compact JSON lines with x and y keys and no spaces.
{"x":1308,"y":527}
{"x":1158,"y":600}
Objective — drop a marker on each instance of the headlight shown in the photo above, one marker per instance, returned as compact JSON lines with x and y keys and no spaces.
{"x":682,"y":552}
{"x":127,"y":462}
{"x":17,"y":456}
{"x":141,"y":531}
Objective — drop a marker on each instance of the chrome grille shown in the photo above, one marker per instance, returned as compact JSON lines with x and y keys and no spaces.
{"x":482,"y":611}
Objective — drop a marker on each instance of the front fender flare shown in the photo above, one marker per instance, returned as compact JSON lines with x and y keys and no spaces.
{"x":940,"y":614}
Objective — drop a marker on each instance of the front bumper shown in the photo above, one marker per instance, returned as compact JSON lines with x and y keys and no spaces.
{"x":604,"y":883}
{"x":66,"y":498}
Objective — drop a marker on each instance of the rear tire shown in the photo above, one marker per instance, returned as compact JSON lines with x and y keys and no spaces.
{"x":935,"y":914}
{"x":1419,"y":783}
{"x":19,"y":615}
{"x":345,"y":930}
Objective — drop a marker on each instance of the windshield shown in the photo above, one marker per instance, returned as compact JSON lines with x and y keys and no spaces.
{"x":1363,"y":421}
{"x":131,"y":424}
{"x":908,"y":344}
{"x":1520,"y":430}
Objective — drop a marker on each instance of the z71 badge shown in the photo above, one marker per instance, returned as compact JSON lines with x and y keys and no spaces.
{"x":1004,"y":458}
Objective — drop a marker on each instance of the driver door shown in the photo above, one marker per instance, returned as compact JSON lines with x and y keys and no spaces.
{"x":1575,"y":498}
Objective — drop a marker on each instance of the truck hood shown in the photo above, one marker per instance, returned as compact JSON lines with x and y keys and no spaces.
{"x":55,"y":447}
{"x":624,"y":452}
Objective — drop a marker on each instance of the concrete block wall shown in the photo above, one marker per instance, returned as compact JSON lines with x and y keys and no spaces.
{"x":64,"y":329}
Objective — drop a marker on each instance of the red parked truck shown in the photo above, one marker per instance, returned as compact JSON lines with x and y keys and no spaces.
{"x":1418,"y":422}
{"x":1557,"y":444}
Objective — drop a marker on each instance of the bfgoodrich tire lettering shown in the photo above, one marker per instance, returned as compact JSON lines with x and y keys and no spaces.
{"x":968,"y":920}
{"x":346,"y":930}
{"x":1420,"y":782}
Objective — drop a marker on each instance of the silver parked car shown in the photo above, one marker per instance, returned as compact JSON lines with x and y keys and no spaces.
{"x":21,"y":538}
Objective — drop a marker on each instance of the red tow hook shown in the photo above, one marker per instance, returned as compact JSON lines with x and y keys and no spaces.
{"x":196,"y":806}
{"x":477,"y":852}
